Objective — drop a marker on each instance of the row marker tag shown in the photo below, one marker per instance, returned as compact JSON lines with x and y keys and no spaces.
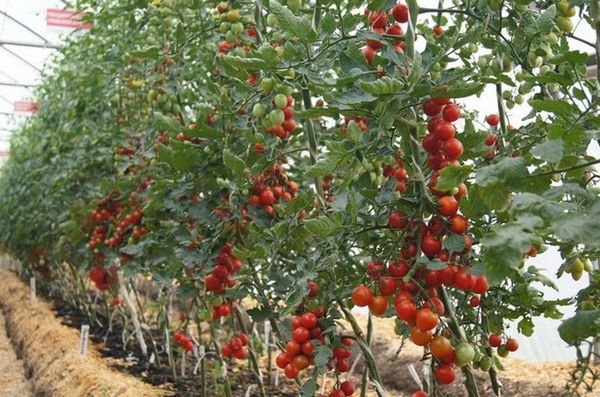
{"x":33,"y":289}
{"x":83,"y":341}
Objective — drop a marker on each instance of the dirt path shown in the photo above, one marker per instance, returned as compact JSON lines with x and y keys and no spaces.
{"x":12,"y":371}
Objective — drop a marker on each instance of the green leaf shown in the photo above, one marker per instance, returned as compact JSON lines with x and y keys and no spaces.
{"x":204,"y":131}
{"x":309,"y":388}
{"x":165,"y":123}
{"x":323,"y":226}
{"x":323,"y":354}
{"x":583,"y":325}
{"x":578,"y":227}
{"x":454,"y":243}
{"x":452,"y":176}
{"x":557,"y":106}
{"x":545,"y":23}
{"x":260,"y":315}
{"x":573,"y":57}
{"x":180,"y":159}
{"x":297,"y":26}
{"x":550,"y":151}
{"x":353,"y":97}
{"x":233,"y":162}
{"x":458,"y":91}
{"x":314,"y":113}
{"x":508,"y":171}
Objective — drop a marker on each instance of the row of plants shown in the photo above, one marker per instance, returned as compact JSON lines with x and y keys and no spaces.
{"x":284,"y":163}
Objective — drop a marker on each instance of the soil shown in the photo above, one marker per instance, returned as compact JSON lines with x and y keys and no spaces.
{"x":13,"y":381}
{"x":75,"y":378}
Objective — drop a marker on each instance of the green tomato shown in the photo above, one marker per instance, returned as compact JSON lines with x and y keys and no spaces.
{"x":230,"y":36}
{"x":285,"y":89}
{"x":587,"y":266}
{"x":267,"y":84}
{"x":277,"y":117}
{"x":519,"y":99}
{"x":577,"y":265}
{"x":130,"y":241}
{"x":464,"y":353}
{"x":564,"y":24}
{"x":485,"y":363}
{"x":576,"y":275}
{"x":565,"y":9}
{"x":280,"y":101}
{"x":271,"y":20}
{"x":224,"y":27}
{"x":237,"y":28}
{"x":266,"y":123}
{"x":502,"y":351}
{"x":259,"y":110}
{"x":294,"y":4}
{"x":552,"y":38}
{"x":506,"y":95}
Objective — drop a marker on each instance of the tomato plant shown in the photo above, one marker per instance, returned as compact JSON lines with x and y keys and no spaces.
{"x":314,"y":156}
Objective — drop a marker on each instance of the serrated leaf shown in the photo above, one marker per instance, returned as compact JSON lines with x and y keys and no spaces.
{"x":578,"y":227}
{"x":260,"y":315}
{"x":452,"y":176}
{"x":556,"y":106}
{"x":454,"y":243}
{"x":293,"y":24}
{"x":323,"y":354}
{"x":246,"y":63}
{"x":309,"y":388}
{"x":573,"y":57}
{"x":323,"y":226}
{"x":457,"y":91}
{"x":508,"y":171}
{"x":233,"y":162}
{"x":545,"y":23}
{"x":582,"y":325}
{"x":165,"y":123}
{"x":550,"y":151}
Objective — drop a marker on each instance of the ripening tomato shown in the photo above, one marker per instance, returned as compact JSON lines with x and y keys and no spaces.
{"x":408,"y":250}
{"x":362,"y":296}
{"x":493,"y":119}
{"x":512,"y":345}
{"x":378,"y":19}
{"x":420,"y":338}
{"x":369,"y":54}
{"x":481,"y":285}
{"x":403,"y":296}
{"x":406,"y":310}
{"x":290,"y":371}
{"x":464,"y":280}
{"x":438,"y":30}
{"x":347,"y":387}
{"x":427,"y":319}
{"x":282,"y":360}
{"x":397,"y":220}
{"x":448,"y":205}
{"x":267,"y":198}
{"x":312,"y":289}
{"x":300,"y":334}
{"x":444,"y":130}
{"x":431,"y":108}
{"x":378,"y":305}
{"x":376,"y":44}
{"x":462,"y":191}
{"x":387,"y":285}
{"x":451,"y":112}
{"x":431,"y":245}
{"x":308,"y":320}
{"x":300,"y":362}
{"x":458,"y":224}
{"x":495,"y":340}
{"x":445,"y":374}
{"x":440,"y":346}
{"x":453,"y":148}
{"x":400,"y":13}
{"x":399,"y":268}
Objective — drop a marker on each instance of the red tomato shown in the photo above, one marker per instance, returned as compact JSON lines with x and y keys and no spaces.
{"x":474,"y":301}
{"x":362,"y":296}
{"x":282,"y":360}
{"x":420,"y":338}
{"x":308,"y":320}
{"x":493,"y":119}
{"x":431,"y":108}
{"x":292,"y":348}
{"x":464,"y":280}
{"x":387,"y":285}
{"x":431,"y":143}
{"x":451,"y":112}
{"x":438,"y":31}
{"x":436,"y":305}
{"x":300,"y":362}
{"x":453,"y":148}
{"x":427,"y":319}
{"x":290,"y":371}
{"x":512,"y":345}
{"x":408,"y":250}
{"x":491,"y":140}
{"x":406,"y":310}
{"x":300,"y":334}
{"x":431,"y":245}
{"x":444,"y":130}
{"x":481,"y":285}
{"x":400,"y":13}
{"x":347,"y":387}
{"x":397,"y":220}
{"x":399,"y":268}
{"x":445,"y":374}
{"x":495,"y":340}
{"x":369,"y":54}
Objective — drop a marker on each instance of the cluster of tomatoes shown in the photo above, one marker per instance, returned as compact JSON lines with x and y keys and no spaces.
{"x":279,"y":121}
{"x":184,"y":341}
{"x":443,"y":147}
{"x":361,"y":122}
{"x":379,"y":22}
{"x":236,"y":347}
{"x":233,"y":29}
{"x":299,"y":350}
{"x":398,"y":172}
{"x":344,"y":389}
{"x":107,"y":210}
{"x":227,"y":264}
{"x":510,"y":345}
{"x":103,"y":278}
{"x":493,"y":120}
{"x":270,"y":187}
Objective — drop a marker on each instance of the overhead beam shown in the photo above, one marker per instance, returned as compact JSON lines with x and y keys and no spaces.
{"x":20,"y":58}
{"x":23,"y":25}
{"x":29,"y":44}
{"x":11,"y":84}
